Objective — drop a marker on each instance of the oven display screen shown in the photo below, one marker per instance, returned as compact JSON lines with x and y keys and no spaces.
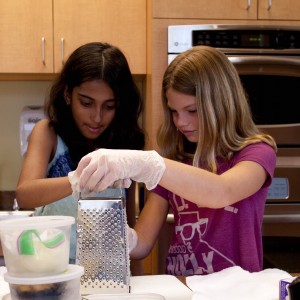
{"x":258,"y":40}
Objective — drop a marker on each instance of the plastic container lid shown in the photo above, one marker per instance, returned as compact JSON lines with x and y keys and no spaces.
{"x":37,"y":222}
{"x":73,"y":271}
{"x":137,"y":296}
{"x":14,"y":214}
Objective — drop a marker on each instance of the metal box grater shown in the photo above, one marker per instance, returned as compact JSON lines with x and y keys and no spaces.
{"x":102,"y":246}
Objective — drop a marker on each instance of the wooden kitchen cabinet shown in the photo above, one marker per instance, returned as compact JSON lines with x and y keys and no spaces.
{"x":37,"y":36}
{"x":119,"y":22}
{"x":214,"y":9}
{"x":279,"y":10}
{"x":228,"y":9}
{"x":24,"y":27}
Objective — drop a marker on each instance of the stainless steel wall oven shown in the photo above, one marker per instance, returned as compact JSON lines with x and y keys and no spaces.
{"x":268,"y":61}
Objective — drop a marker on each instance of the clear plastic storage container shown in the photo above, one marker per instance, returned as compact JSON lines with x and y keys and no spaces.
{"x":65,"y":286}
{"x":36,"y":246}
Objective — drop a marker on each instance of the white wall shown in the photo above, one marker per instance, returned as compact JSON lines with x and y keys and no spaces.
{"x":14,"y":95}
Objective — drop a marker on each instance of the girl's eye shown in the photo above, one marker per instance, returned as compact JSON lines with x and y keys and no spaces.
{"x":110,"y":106}
{"x":192,"y":111}
{"x":85,"y":103}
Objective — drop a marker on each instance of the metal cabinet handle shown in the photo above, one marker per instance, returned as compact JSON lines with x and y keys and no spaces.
{"x":249,"y":4}
{"x":269,"y":4}
{"x":284,"y":218}
{"x":62,"y":50}
{"x":43,"y":51}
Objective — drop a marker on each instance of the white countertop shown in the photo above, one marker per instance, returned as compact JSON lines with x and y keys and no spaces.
{"x":166,"y":285}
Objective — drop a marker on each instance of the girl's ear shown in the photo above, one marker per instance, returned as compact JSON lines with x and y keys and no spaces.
{"x":67,"y":96}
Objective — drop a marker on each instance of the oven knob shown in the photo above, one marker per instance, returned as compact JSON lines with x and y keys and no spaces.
{"x":280,"y":41}
{"x":294,"y":289}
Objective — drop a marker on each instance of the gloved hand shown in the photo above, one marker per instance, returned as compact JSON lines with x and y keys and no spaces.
{"x":132,"y":238}
{"x":77,"y":193}
{"x":74,"y":181}
{"x":101,"y":168}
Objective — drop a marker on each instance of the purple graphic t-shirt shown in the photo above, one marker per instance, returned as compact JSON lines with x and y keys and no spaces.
{"x":209,"y":240}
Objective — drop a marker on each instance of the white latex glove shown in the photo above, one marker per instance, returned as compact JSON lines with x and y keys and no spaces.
{"x":101,"y":168}
{"x":74,"y":181}
{"x":132,"y":238}
{"x":77,"y":193}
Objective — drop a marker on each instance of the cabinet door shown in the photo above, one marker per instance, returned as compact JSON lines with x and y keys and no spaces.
{"x":203,"y":9}
{"x":279,"y":9}
{"x":119,"y":22}
{"x":26,"y":36}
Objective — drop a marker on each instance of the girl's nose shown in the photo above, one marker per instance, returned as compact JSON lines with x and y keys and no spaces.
{"x":97,"y":115}
{"x":181,"y":120}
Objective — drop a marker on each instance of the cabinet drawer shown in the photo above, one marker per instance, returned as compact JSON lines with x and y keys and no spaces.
{"x":203,"y":9}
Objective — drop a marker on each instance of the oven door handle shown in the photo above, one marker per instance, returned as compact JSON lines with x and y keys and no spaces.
{"x":259,"y":59}
{"x":284,"y":218}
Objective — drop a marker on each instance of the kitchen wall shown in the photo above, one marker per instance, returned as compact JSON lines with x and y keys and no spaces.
{"x":14,"y":95}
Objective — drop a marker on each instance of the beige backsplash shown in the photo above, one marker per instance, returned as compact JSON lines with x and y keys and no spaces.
{"x":14,"y":95}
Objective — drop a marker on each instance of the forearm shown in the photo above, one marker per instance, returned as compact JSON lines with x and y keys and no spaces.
{"x":142,"y":249}
{"x":151,"y":220}
{"x":194,"y":184}
{"x":39,"y":192}
{"x":211,"y":190}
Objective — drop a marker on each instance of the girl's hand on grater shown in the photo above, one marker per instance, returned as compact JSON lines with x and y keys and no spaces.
{"x":132,"y":238}
{"x":100,"y":169}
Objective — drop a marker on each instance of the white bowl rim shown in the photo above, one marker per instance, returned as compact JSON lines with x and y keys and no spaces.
{"x":36,"y":222}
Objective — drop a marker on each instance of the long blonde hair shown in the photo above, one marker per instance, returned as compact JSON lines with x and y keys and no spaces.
{"x":225,"y":121}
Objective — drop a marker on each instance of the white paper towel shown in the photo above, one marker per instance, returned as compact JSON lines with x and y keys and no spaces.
{"x":235,"y":283}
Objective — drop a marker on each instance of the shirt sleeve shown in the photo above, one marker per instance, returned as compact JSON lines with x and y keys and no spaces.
{"x":262,"y":154}
{"x":159,"y":190}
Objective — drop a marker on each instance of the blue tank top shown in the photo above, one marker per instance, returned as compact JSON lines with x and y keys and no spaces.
{"x":60,"y":166}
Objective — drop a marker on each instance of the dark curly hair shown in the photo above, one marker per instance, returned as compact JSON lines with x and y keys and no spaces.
{"x":97,"y":61}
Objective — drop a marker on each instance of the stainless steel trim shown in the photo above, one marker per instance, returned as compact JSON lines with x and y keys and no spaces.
{"x":287,"y":218}
{"x":288,"y":161}
{"x":258,"y":59}
{"x":236,"y":27}
{"x":279,"y":125}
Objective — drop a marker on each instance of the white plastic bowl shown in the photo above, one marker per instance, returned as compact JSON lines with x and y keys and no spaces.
{"x":36,"y":246}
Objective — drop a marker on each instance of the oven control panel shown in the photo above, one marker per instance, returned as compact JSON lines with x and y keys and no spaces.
{"x":234,"y":37}
{"x":249,"y":39}
{"x":279,"y":189}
